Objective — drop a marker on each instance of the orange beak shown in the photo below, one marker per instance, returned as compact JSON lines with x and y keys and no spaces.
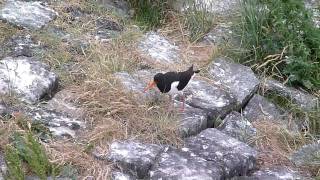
{"x":150,"y":85}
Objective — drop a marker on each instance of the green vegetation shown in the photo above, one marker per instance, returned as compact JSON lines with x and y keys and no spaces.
{"x":198,"y":20}
{"x":14,"y":164}
{"x":150,"y":13}
{"x":280,"y":39}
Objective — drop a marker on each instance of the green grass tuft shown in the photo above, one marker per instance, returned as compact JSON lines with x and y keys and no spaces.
{"x":280,"y":39}
{"x":14,"y":164}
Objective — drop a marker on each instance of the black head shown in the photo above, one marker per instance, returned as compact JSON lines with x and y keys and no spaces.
{"x":158,"y":78}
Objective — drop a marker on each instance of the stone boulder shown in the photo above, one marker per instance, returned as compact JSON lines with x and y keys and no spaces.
{"x":33,"y":15}
{"x":214,"y":100}
{"x":181,"y":164}
{"x":233,"y":156}
{"x":117,"y":175}
{"x":302,"y":99}
{"x":235,"y":125}
{"x":274,"y":173}
{"x":159,"y":49}
{"x":28,"y":78}
{"x":107,"y":29}
{"x":59,"y":124}
{"x":3,"y":167}
{"x":221,"y":34}
{"x":133,"y":157}
{"x":313,"y":6}
{"x":238,"y":79}
{"x":307,"y":155}
{"x":260,"y":109}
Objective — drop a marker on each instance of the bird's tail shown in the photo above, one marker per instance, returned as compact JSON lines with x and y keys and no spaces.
{"x":194,"y":71}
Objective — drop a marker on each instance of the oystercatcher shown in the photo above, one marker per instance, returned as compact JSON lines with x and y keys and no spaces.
{"x":173,"y":83}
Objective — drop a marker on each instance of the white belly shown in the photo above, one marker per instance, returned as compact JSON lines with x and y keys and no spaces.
{"x":174,"y":88}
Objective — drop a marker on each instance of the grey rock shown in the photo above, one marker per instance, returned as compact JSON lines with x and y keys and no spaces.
{"x":233,"y":156}
{"x":159,"y":49}
{"x":32,"y":15}
{"x":214,"y":100}
{"x":313,"y":6}
{"x":307,"y":155}
{"x":107,"y":29}
{"x":304,"y":100}
{"x":275,"y":173}
{"x":191,"y":121}
{"x":28,"y":78}
{"x":59,"y":124}
{"x":238,"y":79}
{"x":75,"y":12}
{"x":235,"y":125}
{"x":133,"y":157}
{"x":66,"y":102}
{"x":119,"y":6}
{"x":181,"y":164}
{"x":222,"y":8}
{"x":260,"y":109}
{"x":22,"y":45}
{"x":3,"y":167}
{"x":221,"y":34}
{"x":5,"y":111}
{"x":117,"y":175}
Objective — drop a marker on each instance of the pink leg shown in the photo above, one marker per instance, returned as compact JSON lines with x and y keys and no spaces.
{"x":183,"y":101}
{"x":170,"y":104}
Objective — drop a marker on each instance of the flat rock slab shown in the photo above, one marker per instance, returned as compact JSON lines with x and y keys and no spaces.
{"x":31,"y":15}
{"x":192,"y":120}
{"x":235,"y":125}
{"x":159,"y":49}
{"x":133,"y":157}
{"x":215,"y":101}
{"x":277,"y":173}
{"x":233,"y":156}
{"x":261,"y":109}
{"x":304,"y":100}
{"x":66,"y":102}
{"x":305,"y":156}
{"x":176,"y":164}
{"x":27,"y":77}
{"x":238,"y":79}
{"x":59,"y":124}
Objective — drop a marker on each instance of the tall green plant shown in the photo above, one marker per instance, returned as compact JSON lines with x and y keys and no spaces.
{"x":280,"y":38}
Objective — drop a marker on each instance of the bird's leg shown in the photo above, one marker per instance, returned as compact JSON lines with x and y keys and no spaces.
{"x":183,"y":102}
{"x":169,"y":104}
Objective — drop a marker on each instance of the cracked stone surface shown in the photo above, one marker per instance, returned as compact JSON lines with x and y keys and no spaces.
{"x":238,"y":79}
{"x":233,"y":156}
{"x":181,"y":164}
{"x":28,"y":78}
{"x":261,"y":109}
{"x":159,"y":48}
{"x":304,"y":100}
{"x":306,"y":155}
{"x":215,"y":101}
{"x":235,"y":125}
{"x":59,"y":124}
{"x":133,"y":157}
{"x":31,"y":15}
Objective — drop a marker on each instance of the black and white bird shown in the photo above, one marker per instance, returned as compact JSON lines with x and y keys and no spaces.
{"x":173,"y":83}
